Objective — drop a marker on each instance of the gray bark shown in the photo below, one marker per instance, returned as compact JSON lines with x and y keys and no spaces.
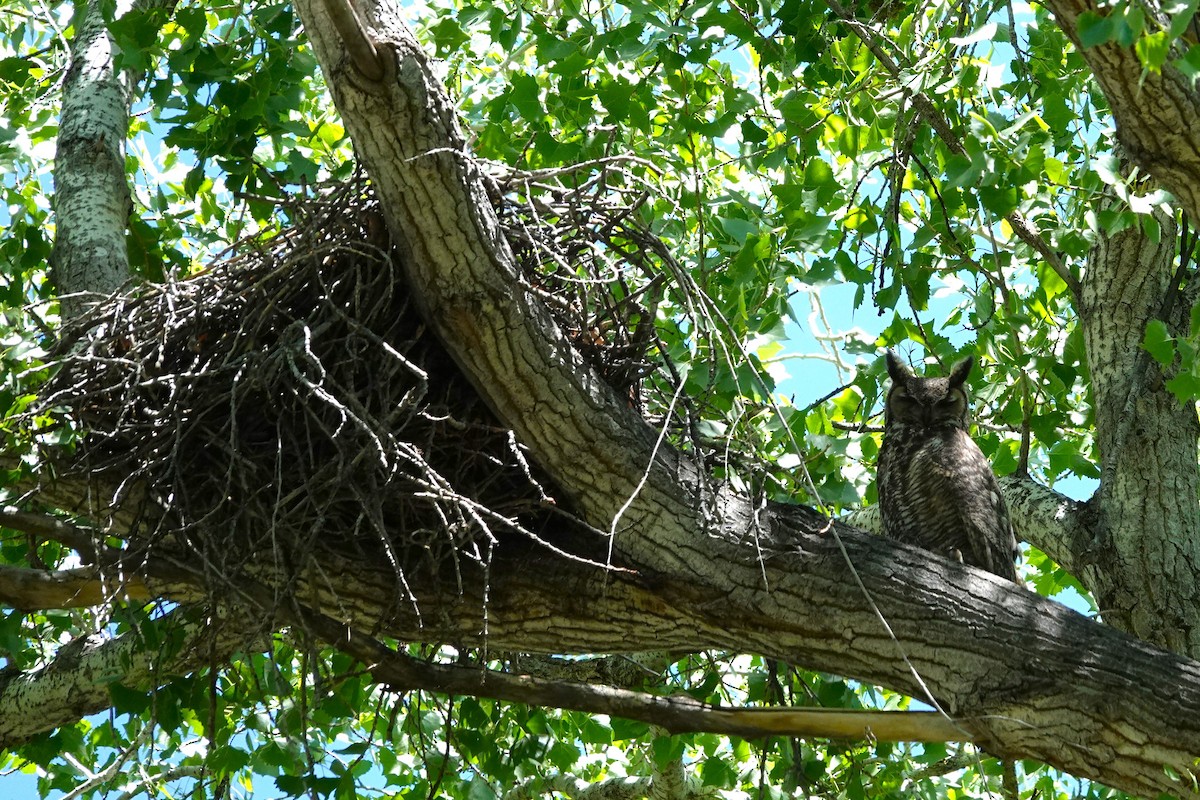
{"x":1020,"y":674}
{"x":1055,"y":524}
{"x":91,"y":193}
{"x":1142,"y":562}
{"x":1155,"y":110}
{"x":76,"y":683}
{"x":1143,"y":557}
{"x":1027,"y":677}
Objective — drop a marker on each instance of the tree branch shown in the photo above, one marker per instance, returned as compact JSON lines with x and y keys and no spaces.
{"x":1052,"y":522}
{"x":117,"y":574}
{"x":1032,"y":677}
{"x":677,"y":714}
{"x":31,"y":589}
{"x":358,"y":42}
{"x":49,"y":527}
{"x":783,"y":582}
{"x":407,"y":135}
{"x":622,"y":788}
{"x":1155,"y":109}
{"x":76,"y":683}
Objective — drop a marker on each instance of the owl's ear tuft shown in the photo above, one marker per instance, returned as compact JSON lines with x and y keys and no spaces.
{"x":960,"y":371}
{"x":897,"y":369}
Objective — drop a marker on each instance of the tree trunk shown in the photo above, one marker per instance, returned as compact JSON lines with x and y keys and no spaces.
{"x":1143,"y":563}
{"x":91,"y":192}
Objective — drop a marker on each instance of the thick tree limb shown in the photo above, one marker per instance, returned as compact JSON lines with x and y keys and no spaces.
{"x":1030,"y":676}
{"x":114,"y":575}
{"x":1052,"y":522}
{"x":358,"y":44}
{"x":76,"y":683}
{"x":1100,"y":671}
{"x":29,"y":589}
{"x":466,"y":280}
{"x":46,"y":526}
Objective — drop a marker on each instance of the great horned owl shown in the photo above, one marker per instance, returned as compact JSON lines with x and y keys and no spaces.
{"x":936,"y":488}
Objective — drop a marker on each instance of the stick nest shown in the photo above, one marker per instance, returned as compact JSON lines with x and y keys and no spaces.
{"x":290,"y":398}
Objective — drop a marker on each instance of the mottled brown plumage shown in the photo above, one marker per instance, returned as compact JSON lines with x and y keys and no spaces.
{"x":936,"y":488}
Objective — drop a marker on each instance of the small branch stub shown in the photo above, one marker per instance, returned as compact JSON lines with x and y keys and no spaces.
{"x":354,"y":35}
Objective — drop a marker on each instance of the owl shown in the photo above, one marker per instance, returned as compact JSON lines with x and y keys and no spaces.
{"x":936,"y":488}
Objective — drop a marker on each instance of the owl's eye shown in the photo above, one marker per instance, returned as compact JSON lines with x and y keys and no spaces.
{"x":953,"y":400}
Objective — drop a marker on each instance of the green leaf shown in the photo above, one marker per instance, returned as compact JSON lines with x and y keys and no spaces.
{"x":1000,"y":200}
{"x":1108,"y":167}
{"x":963,"y":171}
{"x":1094,"y":29}
{"x":1152,"y":50}
{"x":293,"y":785}
{"x":796,"y":108}
{"x":627,"y":730}
{"x":126,"y":700}
{"x":1185,"y":386}
{"x":667,"y":749}
{"x":15,"y":70}
{"x":715,"y":772}
{"x":739,"y":229}
{"x":751,"y":133}
{"x":449,"y":35}
{"x":1158,"y":342}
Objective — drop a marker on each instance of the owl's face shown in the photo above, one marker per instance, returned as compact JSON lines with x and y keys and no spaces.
{"x":926,"y":402}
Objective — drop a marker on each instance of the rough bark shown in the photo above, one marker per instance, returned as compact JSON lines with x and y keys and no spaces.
{"x":1024,"y":675}
{"x":92,"y":201}
{"x":594,"y":444}
{"x":91,"y":193}
{"x":86,"y":587}
{"x":1035,"y":679}
{"x":1143,"y":562}
{"x":77,"y":682}
{"x":1060,"y":527}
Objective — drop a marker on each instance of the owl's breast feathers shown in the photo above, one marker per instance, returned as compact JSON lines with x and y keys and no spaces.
{"x":945,"y":498}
